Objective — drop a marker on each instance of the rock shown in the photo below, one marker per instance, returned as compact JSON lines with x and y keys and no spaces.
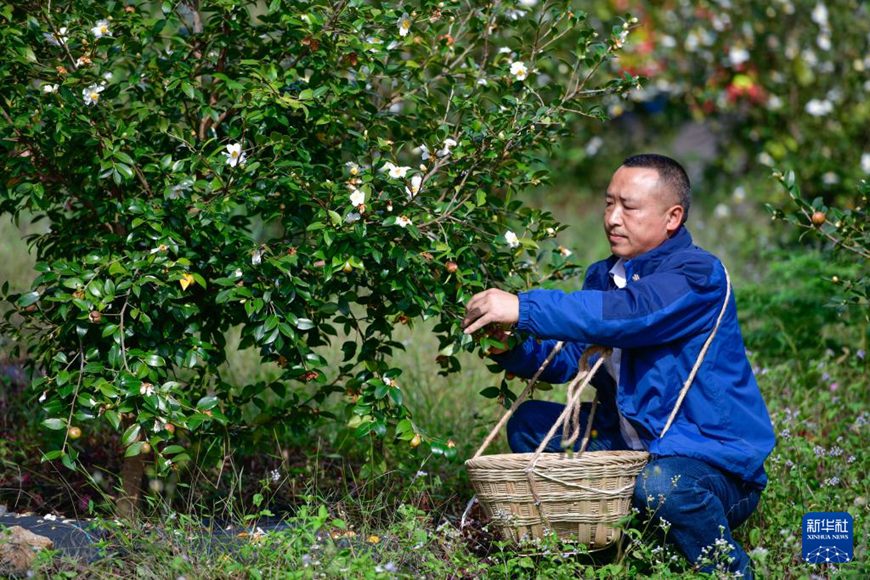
{"x":18,"y":548}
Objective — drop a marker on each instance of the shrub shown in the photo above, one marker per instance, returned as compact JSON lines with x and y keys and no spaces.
{"x":315,"y":173}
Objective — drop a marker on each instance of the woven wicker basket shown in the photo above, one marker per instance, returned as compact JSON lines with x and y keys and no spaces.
{"x":580,"y":496}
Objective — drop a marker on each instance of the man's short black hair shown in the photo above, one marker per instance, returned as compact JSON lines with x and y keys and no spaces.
{"x":671,"y":174}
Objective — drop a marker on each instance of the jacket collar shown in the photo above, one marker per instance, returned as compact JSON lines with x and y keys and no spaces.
{"x":650,"y":260}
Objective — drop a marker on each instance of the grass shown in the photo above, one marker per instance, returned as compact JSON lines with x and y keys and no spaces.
{"x":404,"y":523}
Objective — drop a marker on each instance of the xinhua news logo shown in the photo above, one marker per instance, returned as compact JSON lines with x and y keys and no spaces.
{"x":827,"y":538}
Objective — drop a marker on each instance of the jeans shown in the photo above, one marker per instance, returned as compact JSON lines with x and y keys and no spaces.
{"x":699,"y":503}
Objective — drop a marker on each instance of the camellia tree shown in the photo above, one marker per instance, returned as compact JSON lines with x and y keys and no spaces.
{"x":772,"y":76}
{"x":311,"y":172}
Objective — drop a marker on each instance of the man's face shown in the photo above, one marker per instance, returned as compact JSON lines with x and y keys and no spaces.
{"x":639,"y":215}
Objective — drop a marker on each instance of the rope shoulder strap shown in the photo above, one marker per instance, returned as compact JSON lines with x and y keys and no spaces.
{"x":701,"y":355}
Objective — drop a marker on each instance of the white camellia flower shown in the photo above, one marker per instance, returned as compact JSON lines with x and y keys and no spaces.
{"x":865,"y":162}
{"x":519,"y":70}
{"x":818,"y":108}
{"x":235,"y":155}
{"x":146,"y":389}
{"x":737,"y":55}
{"x":820,"y":15}
{"x":412,"y":191}
{"x":101,"y":29}
{"x":403,"y":221}
{"x":404,"y":24}
{"x":357,"y":197}
{"x":511,"y":239}
{"x":91,"y":94}
{"x":56,"y":39}
{"x":423,"y":151}
{"x":353,"y":168}
{"x":445,"y":149}
{"x":396,"y":172}
{"x":48,"y":88}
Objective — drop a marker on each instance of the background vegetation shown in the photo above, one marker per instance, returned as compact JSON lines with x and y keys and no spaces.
{"x":736,"y":90}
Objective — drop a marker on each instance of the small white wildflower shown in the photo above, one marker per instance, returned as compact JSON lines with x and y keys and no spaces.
{"x":146,"y":389}
{"x":101,"y":29}
{"x":865,"y":163}
{"x":237,"y":273}
{"x":722,"y":211}
{"x":511,"y":239}
{"x":352,"y":217}
{"x":257,"y":257}
{"x":49,"y":88}
{"x":519,"y":70}
{"x":528,"y":3}
{"x":275,"y":476}
{"x":56,"y":39}
{"x":43,"y":396}
{"x":404,"y":23}
{"x":445,"y":148}
{"x":504,"y":50}
{"x":414,"y":189}
{"x":357,"y":198}
{"x":403,"y":221}
{"x":551,"y":232}
{"x":564,"y":251}
{"x":235,"y":155}
{"x":107,"y":76}
{"x":353,"y":168}
{"x":91,"y":95}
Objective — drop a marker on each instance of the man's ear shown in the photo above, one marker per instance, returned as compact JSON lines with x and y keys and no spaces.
{"x":675,"y":219}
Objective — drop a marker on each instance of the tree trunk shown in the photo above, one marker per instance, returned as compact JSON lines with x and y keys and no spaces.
{"x":131,"y":485}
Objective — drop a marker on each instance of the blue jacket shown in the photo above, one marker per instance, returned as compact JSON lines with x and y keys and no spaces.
{"x":661,"y":319}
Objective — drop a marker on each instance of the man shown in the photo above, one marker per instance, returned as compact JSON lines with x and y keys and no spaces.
{"x":655,"y":302}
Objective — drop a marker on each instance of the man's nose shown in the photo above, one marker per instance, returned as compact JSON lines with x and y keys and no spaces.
{"x":613,"y":216}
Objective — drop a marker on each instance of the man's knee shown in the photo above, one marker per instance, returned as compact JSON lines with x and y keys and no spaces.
{"x":658,"y":492}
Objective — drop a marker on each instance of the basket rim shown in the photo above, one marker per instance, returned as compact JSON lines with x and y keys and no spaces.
{"x":589,"y":457}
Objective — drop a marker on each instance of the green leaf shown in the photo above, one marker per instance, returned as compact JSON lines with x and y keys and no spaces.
{"x":27,"y":299}
{"x":207,"y":402}
{"x":131,"y":434}
{"x":54,"y":424}
{"x":304,"y":324}
{"x":134,"y":449}
{"x":154,"y":360}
